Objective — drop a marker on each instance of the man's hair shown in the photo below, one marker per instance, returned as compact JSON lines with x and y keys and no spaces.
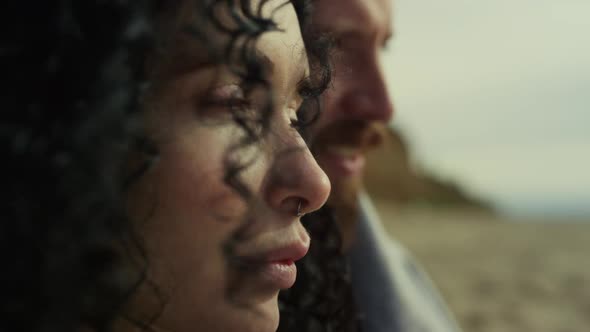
{"x":73,"y":76}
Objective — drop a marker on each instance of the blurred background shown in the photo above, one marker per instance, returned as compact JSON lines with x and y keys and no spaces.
{"x":486,"y":174}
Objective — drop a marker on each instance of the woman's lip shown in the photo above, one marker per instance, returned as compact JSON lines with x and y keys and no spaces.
{"x":276,"y":267}
{"x":289,"y":253}
{"x":281,"y":275}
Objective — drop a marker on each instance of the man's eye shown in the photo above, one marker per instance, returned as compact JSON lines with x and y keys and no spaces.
{"x":347,"y":41}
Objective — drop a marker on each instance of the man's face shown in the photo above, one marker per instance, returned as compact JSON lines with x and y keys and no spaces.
{"x":357,"y":105}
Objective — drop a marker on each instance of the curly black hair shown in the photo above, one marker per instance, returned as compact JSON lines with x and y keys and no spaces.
{"x":73,"y":75}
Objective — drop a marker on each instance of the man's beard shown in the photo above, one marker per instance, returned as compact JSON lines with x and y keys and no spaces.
{"x":360,"y":136}
{"x":344,"y":202}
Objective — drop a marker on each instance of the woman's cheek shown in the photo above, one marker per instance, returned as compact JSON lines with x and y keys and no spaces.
{"x":192,"y":175}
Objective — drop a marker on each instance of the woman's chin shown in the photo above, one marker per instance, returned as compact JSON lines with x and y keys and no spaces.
{"x":262,"y":317}
{"x":271,"y":313}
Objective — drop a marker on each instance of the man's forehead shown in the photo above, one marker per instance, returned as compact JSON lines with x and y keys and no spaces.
{"x":354,"y":15}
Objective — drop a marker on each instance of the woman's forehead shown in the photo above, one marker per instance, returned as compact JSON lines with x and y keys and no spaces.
{"x":281,"y":48}
{"x":286,"y":43}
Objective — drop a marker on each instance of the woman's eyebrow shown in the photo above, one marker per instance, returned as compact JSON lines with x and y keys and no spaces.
{"x":299,"y":76}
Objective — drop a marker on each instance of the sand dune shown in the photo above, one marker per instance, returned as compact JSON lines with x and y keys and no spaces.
{"x":501,"y":275}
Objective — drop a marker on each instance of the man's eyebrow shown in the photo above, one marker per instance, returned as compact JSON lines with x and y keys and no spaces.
{"x":387,"y":39}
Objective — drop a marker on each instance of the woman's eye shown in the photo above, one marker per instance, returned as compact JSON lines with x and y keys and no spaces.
{"x":227,"y":96}
{"x":227,"y":102}
{"x":234,"y":103}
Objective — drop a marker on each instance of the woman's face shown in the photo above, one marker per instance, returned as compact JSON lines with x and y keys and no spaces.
{"x":217,"y":258}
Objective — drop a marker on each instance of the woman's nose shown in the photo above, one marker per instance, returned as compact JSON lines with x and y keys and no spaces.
{"x":296,"y":184}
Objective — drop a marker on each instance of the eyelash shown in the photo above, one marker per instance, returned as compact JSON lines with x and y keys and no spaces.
{"x":231,"y":103}
{"x":295,"y":123}
{"x":237,"y":103}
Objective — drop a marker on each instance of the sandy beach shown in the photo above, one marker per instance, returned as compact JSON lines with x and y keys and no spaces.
{"x":501,"y":275}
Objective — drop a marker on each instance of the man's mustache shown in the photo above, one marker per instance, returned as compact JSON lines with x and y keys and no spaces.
{"x":357,"y":134}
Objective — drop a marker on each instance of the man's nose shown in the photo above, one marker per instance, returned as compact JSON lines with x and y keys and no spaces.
{"x":296,"y":183}
{"x":366,"y":97}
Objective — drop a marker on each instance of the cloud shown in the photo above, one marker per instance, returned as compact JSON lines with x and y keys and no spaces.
{"x":497,"y":94}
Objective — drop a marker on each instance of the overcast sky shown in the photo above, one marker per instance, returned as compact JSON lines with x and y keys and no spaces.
{"x":496,"y":95}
